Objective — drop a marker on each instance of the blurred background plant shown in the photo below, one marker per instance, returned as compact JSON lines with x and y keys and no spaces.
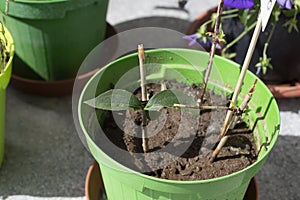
{"x":4,"y":54}
{"x":246,"y":13}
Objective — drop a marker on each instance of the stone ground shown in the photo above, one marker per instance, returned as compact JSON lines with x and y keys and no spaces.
{"x":45,"y":159}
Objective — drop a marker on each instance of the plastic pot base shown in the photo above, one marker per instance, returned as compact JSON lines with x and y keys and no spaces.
{"x":54,"y":88}
{"x":94,"y":187}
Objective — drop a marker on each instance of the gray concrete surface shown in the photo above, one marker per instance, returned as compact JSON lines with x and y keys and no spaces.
{"x":45,"y":158}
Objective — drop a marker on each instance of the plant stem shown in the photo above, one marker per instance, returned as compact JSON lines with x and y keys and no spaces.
{"x":205,"y":107}
{"x":230,"y":11}
{"x":141,"y":55}
{"x":248,"y":97}
{"x":269,"y":39}
{"x":223,"y":17}
{"x":239,"y":37}
{"x":272,"y":32}
{"x":242,"y":74}
{"x":142,"y":71}
{"x":212,"y":52}
{"x":241,"y":109}
{"x":218,"y":148}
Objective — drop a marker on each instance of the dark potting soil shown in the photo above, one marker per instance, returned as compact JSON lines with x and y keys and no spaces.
{"x":180,"y":143}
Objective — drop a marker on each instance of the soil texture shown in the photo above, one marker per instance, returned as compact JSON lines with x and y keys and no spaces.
{"x":180,"y":143}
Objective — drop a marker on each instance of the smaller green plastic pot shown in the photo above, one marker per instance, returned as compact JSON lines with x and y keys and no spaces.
{"x":52,"y":37}
{"x":122,"y":183}
{"x":4,"y":80}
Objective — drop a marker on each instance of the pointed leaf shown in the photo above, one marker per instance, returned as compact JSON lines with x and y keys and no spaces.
{"x":115,"y":100}
{"x":168,"y":98}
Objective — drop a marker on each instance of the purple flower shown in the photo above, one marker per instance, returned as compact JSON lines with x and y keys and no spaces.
{"x":244,"y":4}
{"x":195,"y":38}
{"x":192,"y":38}
{"x":288,"y":4}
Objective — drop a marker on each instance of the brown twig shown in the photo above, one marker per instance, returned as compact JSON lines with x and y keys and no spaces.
{"x":218,"y":148}
{"x":212,"y":52}
{"x":241,"y":109}
{"x":206,"y":107}
{"x":248,"y":97}
{"x":141,"y":55}
{"x":242,"y":74}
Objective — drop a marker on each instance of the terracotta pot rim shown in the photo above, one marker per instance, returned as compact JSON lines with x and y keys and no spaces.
{"x":93,"y":170}
{"x":41,"y":82}
{"x":48,"y":88}
{"x":291,"y":90}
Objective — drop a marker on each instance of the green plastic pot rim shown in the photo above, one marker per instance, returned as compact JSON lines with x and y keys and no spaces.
{"x":128,"y":170}
{"x":39,"y":1}
{"x":43,"y":9}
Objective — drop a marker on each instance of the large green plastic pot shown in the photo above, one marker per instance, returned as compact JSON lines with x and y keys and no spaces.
{"x":4,"y":80}
{"x":53,"y":37}
{"x":122,"y":183}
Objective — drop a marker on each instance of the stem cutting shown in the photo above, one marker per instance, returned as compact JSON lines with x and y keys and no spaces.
{"x":212,"y":52}
{"x":141,"y":55}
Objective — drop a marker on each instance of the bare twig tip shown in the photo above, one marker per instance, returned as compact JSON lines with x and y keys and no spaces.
{"x":141,"y":51}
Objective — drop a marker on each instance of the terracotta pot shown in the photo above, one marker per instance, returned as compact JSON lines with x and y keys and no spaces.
{"x":283,"y":83}
{"x":94,"y":188}
{"x":54,"y":88}
{"x":291,"y":90}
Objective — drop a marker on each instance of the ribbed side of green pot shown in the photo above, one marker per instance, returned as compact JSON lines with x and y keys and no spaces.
{"x":53,"y":37}
{"x":4,"y":80}
{"x":122,"y":183}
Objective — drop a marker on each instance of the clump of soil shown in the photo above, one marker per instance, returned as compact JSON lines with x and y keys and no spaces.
{"x":180,"y":142}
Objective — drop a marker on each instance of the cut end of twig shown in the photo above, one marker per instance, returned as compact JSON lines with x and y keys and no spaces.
{"x":248,"y":97}
{"x":163,"y":86}
{"x":141,"y":51}
{"x":141,"y":55}
{"x":253,"y":87}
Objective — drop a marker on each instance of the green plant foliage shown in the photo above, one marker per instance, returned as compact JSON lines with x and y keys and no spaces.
{"x":168,"y":98}
{"x":115,"y":100}
{"x":4,"y":54}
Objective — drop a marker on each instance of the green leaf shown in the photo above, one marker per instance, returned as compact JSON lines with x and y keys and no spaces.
{"x":168,"y":98}
{"x":291,"y":24}
{"x":115,"y":100}
{"x":244,"y":15}
{"x":221,"y":36}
